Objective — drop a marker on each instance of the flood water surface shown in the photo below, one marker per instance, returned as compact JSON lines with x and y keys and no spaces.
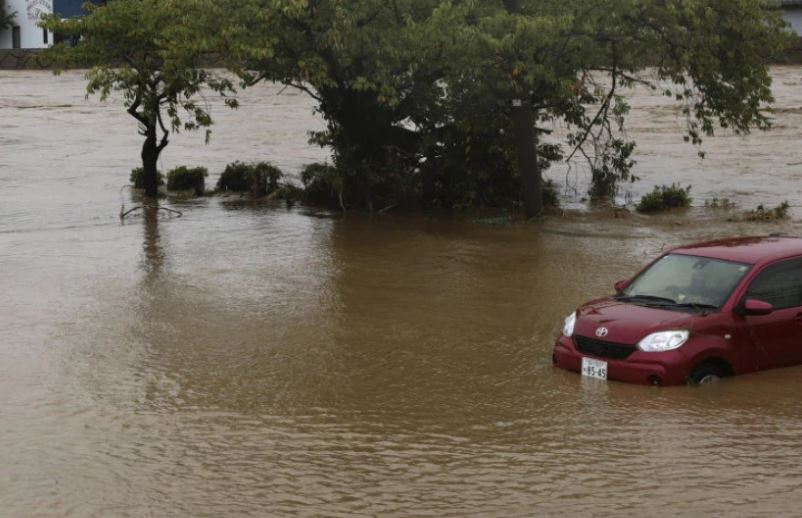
{"x":249,"y":360}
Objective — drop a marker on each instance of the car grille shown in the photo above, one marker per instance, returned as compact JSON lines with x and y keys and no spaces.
{"x":595,"y":347}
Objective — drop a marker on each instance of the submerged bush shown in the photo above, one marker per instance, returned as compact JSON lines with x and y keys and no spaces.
{"x":612,"y":168}
{"x":138,"y":178}
{"x":551,"y":199}
{"x":665,"y":197}
{"x":719,"y":203}
{"x":185,"y":178}
{"x":762,"y":214}
{"x":323,"y":185}
{"x":260,"y":179}
{"x":290,"y":193}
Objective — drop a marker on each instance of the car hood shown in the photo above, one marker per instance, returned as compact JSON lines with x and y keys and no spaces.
{"x":627,"y":323}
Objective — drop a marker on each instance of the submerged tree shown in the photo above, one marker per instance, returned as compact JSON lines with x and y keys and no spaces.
{"x":435,"y":102}
{"x":360,"y":62}
{"x":142,"y":49}
{"x":438,"y":101}
{"x":570,"y":62}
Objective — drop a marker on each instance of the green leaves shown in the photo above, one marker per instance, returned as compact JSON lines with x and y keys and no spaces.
{"x":6,"y":15}
{"x":151,"y":51}
{"x":416,"y":94}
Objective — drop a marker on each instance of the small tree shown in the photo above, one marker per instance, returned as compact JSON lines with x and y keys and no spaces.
{"x":6,"y":16}
{"x":146,"y":50}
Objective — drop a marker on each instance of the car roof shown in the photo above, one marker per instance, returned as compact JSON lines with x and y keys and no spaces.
{"x":751,"y":250}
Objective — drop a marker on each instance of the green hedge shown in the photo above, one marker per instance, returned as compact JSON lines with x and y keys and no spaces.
{"x":138,"y":178}
{"x":323,"y":185}
{"x":184,"y":178}
{"x":762,"y":214}
{"x":665,"y":197}
{"x":551,"y":198}
{"x":260,"y":178}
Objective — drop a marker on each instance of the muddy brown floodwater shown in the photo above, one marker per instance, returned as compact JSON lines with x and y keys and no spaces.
{"x":249,"y":360}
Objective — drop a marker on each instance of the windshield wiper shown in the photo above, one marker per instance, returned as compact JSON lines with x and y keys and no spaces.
{"x":646,"y":298}
{"x":664,"y":302}
{"x":694,"y":305}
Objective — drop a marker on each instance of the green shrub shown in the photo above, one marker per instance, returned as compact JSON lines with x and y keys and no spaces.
{"x":551,"y":198}
{"x":762,"y":214}
{"x":719,"y":203}
{"x":184,"y":178}
{"x":235,"y":178}
{"x":503,"y":220}
{"x":612,"y":167}
{"x":261,"y":178}
{"x":138,"y":178}
{"x":323,"y":185}
{"x":664,"y":198}
{"x":290,"y":193}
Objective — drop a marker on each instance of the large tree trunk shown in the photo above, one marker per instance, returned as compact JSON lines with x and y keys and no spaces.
{"x":150,"y":158}
{"x":531,"y":183}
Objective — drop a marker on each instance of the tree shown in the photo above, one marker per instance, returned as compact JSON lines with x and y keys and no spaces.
{"x":531,"y":181}
{"x":572,"y":60}
{"x":441,"y":101}
{"x":359,"y":61}
{"x":6,"y":16}
{"x":145,"y":50}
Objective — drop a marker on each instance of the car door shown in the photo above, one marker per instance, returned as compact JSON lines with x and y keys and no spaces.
{"x":777,"y":337}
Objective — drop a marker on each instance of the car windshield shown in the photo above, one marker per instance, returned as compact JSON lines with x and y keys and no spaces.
{"x":686,"y":281}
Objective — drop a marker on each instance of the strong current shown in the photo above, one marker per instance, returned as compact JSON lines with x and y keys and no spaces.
{"x":250,"y":360}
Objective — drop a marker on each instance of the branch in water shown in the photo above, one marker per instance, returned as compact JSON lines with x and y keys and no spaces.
{"x":124,"y":213}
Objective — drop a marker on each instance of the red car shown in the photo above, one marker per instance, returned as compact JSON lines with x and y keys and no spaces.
{"x":696,"y":314}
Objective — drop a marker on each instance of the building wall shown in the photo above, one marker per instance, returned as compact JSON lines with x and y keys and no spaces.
{"x":27,"y":14}
{"x":794,"y":16}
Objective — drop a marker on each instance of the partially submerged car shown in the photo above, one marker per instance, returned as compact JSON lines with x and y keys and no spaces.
{"x":696,"y":314}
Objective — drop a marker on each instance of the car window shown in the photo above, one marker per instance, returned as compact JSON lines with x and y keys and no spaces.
{"x":780,"y":285}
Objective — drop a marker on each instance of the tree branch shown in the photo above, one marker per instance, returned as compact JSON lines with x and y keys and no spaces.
{"x":601,"y":114}
{"x":132,"y":110}
{"x":306,"y":89}
{"x":166,"y":133}
{"x":124,"y":213}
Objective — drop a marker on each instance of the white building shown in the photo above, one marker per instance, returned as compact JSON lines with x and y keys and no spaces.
{"x":25,"y":34}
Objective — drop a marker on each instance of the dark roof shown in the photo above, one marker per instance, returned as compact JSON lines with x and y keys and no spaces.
{"x":70,"y":8}
{"x":791,"y":3}
{"x":750,"y":250}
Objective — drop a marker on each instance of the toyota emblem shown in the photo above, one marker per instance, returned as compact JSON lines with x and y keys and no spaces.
{"x":601,"y":332}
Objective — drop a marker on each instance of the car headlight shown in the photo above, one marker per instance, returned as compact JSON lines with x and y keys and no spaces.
{"x":663,"y":341}
{"x":568,"y":327}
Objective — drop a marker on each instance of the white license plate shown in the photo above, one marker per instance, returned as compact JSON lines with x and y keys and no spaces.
{"x":594,"y":368}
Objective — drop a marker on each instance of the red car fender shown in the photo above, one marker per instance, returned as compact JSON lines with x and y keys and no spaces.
{"x":711,"y":347}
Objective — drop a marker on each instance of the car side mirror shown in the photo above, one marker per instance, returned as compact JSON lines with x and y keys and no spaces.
{"x":620,"y":285}
{"x":754,"y":307}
